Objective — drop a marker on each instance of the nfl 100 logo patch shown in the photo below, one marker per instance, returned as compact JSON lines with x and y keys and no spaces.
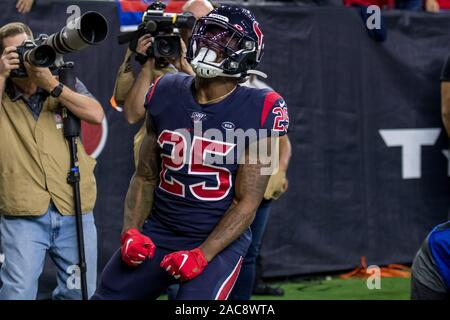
{"x":198,"y":116}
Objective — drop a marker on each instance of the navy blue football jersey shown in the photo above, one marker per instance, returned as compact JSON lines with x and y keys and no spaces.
{"x":200,"y":147}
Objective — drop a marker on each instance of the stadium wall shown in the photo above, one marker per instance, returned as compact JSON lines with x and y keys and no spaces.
{"x":369,"y":172}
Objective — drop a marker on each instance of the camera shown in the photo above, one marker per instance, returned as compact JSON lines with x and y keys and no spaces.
{"x":35,"y":52}
{"x":164,"y":29}
{"x":47,"y":51}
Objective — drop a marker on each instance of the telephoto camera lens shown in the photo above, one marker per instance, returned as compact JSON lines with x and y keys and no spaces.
{"x":89,"y":29}
{"x":41,"y":56}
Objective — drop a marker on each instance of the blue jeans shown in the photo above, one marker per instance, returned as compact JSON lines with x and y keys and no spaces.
{"x":25,"y":242}
{"x":244,"y":285}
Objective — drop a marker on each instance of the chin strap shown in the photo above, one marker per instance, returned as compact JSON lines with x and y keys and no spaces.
{"x":204,"y":66}
{"x":257,"y":73}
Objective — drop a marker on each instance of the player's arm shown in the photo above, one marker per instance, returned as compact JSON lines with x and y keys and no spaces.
{"x":445,"y":96}
{"x":249,"y":190}
{"x":250,"y":187}
{"x":138,"y":203}
{"x":139,"y":199}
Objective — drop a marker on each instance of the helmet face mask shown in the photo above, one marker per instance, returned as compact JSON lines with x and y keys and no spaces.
{"x":220,"y":48}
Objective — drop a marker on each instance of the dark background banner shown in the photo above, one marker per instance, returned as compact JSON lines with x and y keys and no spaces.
{"x":347,"y":197}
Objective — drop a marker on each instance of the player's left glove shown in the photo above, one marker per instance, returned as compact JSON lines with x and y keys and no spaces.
{"x":185,"y":265}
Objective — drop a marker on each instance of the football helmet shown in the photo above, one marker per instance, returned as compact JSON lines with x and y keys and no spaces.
{"x":227,"y":42}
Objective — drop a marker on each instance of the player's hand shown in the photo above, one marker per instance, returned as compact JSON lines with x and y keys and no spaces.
{"x":42,"y":77}
{"x":136,"y":247}
{"x":185,"y":265}
{"x":9,"y":61}
{"x":277,"y":185}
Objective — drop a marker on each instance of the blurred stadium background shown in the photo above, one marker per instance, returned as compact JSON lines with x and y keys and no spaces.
{"x":355,"y":105}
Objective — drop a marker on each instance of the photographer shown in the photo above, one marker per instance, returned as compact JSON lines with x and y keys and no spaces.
{"x":36,"y":202}
{"x":130,"y":92}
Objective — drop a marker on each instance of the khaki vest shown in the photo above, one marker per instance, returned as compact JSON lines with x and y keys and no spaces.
{"x":35,"y":160}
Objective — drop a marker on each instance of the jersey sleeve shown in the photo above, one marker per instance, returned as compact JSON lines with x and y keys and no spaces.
{"x":274,"y":114}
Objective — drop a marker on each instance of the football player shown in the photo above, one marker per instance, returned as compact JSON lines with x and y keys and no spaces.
{"x":191,"y":200}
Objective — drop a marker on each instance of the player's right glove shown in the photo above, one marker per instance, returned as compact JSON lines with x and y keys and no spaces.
{"x":136,"y":247}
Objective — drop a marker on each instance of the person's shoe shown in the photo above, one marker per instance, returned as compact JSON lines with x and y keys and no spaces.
{"x":266,"y":290}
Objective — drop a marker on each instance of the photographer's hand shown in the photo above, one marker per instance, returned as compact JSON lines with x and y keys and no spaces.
{"x":9,"y":61}
{"x":42,"y":77}
{"x":143,"y":44}
{"x":84,"y":107}
{"x":24,"y":6}
{"x":181,"y":63}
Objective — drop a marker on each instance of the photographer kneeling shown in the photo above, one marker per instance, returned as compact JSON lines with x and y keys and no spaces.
{"x":36,"y":202}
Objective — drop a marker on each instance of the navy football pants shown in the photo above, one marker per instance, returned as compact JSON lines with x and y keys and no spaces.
{"x":149,"y":280}
{"x":244,"y":285}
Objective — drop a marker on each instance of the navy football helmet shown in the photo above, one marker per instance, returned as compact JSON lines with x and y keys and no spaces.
{"x":227,"y":42}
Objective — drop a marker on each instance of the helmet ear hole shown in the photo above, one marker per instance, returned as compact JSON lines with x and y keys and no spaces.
{"x":233,"y":65}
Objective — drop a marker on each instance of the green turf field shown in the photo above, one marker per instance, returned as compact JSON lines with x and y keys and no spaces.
{"x":338,"y":289}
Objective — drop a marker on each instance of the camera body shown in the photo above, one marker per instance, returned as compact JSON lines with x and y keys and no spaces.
{"x":35,"y":52}
{"x":164,"y":27}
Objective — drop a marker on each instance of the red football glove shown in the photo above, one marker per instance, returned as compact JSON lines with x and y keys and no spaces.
{"x":185,"y":265}
{"x":136,"y":247}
